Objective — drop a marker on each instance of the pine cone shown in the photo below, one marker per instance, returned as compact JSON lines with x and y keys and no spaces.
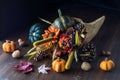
{"x":87,"y":52}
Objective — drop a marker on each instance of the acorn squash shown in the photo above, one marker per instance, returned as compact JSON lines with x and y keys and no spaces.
{"x":36,"y":31}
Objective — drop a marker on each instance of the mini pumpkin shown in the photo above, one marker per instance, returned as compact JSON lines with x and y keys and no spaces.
{"x":58,"y":65}
{"x":9,"y":46}
{"x":107,"y":64}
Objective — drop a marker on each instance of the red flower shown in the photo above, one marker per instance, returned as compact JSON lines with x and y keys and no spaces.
{"x":64,"y":42}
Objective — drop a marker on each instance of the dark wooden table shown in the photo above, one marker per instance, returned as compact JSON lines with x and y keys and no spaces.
{"x":108,"y":38}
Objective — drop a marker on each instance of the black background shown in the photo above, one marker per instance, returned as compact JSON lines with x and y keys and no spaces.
{"x":17,"y":15}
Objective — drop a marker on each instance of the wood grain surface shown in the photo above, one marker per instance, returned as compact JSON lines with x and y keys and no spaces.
{"x":108,"y":38}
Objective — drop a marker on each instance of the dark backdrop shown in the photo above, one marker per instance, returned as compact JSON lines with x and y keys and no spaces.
{"x":19,"y":15}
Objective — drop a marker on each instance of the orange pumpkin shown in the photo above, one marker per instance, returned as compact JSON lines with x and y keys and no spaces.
{"x":58,"y":65}
{"x":107,"y":64}
{"x":8,"y":46}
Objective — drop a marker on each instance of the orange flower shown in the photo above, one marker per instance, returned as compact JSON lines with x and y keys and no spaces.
{"x":46,"y":44}
{"x":51,"y":32}
{"x":63,"y":41}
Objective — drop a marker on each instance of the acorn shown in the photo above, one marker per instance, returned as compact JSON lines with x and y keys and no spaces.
{"x":106,"y":54}
{"x":21,"y":42}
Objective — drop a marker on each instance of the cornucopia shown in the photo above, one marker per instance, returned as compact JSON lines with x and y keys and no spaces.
{"x":65,"y":36}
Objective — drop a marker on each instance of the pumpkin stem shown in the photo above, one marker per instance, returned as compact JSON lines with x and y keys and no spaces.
{"x":106,"y":58}
{"x":61,"y":18}
{"x":58,"y":58}
{"x":8,"y":41}
{"x":59,"y":12}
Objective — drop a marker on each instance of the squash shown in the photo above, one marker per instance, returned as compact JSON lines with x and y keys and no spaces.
{"x":63,"y":22}
{"x":58,"y":65}
{"x":107,"y":64}
{"x":35,"y":32}
{"x":8,"y":46}
{"x":70,"y":60}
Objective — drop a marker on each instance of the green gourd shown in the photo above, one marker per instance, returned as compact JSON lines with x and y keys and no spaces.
{"x":63,"y":22}
{"x":69,"y":61}
{"x":36,"y":31}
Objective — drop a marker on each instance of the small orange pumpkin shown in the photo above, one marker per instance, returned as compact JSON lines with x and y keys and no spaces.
{"x":58,"y":65}
{"x":8,"y":46}
{"x":107,"y":64}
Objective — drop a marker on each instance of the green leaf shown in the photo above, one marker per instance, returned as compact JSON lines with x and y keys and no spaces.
{"x":76,"y":56}
{"x":39,"y":42}
{"x":59,"y":12}
{"x":62,"y":18}
{"x":30,"y":54}
{"x":31,"y":57}
{"x":45,"y":20}
{"x":31,"y":50}
{"x":54,"y":53}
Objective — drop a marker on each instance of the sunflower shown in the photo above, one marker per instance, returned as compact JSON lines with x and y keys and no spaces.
{"x":51,"y":32}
